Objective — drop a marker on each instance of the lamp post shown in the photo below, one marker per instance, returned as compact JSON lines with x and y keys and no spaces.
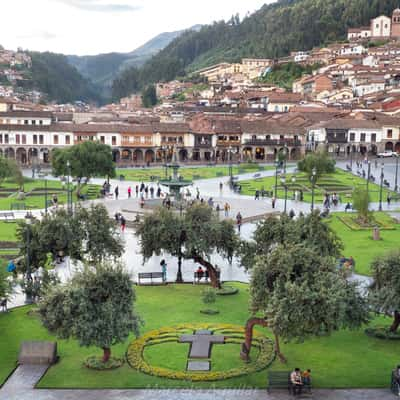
{"x":28,"y":282}
{"x":381,"y":187}
{"x":397,"y":173}
{"x":276,"y":176}
{"x":45,"y":196}
{"x":182,"y":239}
{"x":368,"y":175}
{"x":286,"y":150}
{"x":351,"y":157}
{"x":313,"y":176}
{"x":230,"y":166}
{"x":69,"y":197}
{"x":283,"y":180}
{"x":294,"y":188}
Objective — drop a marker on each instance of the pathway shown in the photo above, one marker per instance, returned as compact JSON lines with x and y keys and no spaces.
{"x":20,"y":386}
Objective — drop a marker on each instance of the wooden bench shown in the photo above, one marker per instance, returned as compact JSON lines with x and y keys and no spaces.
{"x":7,"y":216}
{"x":151,"y":276}
{"x":279,"y":380}
{"x":205,"y":276}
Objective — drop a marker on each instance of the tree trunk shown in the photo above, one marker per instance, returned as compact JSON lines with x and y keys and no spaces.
{"x":246,"y":345}
{"x":106,"y":354}
{"x":212,"y":273}
{"x":396,"y":322}
{"x":278,"y":349}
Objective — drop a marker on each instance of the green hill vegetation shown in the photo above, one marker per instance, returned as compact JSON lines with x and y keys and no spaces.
{"x":273,"y":31}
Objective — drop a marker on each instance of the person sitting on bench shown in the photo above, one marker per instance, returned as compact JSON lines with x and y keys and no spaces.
{"x":295,"y":379}
{"x":200,"y":273}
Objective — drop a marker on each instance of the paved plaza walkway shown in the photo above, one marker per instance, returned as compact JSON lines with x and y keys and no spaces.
{"x":20,"y":387}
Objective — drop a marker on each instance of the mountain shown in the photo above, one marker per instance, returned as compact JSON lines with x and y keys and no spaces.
{"x":102,"y":69}
{"x":273,"y":31}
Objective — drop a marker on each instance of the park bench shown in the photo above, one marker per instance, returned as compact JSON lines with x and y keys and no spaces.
{"x":7,"y":216}
{"x":279,"y":380}
{"x":205,"y":275}
{"x":151,"y":276}
{"x":18,"y":206}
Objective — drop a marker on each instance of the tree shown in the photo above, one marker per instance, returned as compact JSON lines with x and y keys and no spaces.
{"x":6,"y":285}
{"x":361,"y":201}
{"x":384,"y":293}
{"x":10,"y":170}
{"x":319,"y":162}
{"x":87,"y":159}
{"x":149,"y":96}
{"x":88,"y":235}
{"x":309,"y":230}
{"x":195,"y":235}
{"x":301,"y":294}
{"x":95,"y":308}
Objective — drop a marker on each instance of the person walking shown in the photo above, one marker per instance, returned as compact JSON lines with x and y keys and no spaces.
{"x":122,"y":221}
{"x":116,"y":193}
{"x":273,"y":201}
{"x":152,"y":192}
{"x":159,"y":192}
{"x":137,"y":190}
{"x":146,"y":191}
{"x":227,"y":208}
{"x":164,"y":270}
{"x":239,"y":220}
{"x":129,"y":192}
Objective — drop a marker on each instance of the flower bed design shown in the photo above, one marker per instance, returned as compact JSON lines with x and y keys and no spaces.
{"x":382,"y":223}
{"x":234,"y":334}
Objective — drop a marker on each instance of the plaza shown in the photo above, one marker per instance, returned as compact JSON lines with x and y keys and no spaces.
{"x":171,"y":305}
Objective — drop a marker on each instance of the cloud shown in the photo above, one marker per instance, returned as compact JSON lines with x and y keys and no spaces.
{"x":100,"y":6}
{"x":37,"y":34}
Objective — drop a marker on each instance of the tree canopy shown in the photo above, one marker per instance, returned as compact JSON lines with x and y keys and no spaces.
{"x":149,"y":96}
{"x":10,"y":170}
{"x":195,"y":235}
{"x":318,"y":162}
{"x":309,"y":230}
{"x":384,"y":293}
{"x":87,"y":159}
{"x":361,"y":201}
{"x":302,"y":294}
{"x":87,"y":235}
{"x":96,"y":308}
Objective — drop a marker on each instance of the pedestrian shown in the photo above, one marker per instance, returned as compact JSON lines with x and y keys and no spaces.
{"x":122,"y":221}
{"x":388,"y":199}
{"x":12,"y":268}
{"x":129,"y":192}
{"x":164,"y":270}
{"x":301,"y":195}
{"x":273,"y":201}
{"x":137,"y":190}
{"x":348,"y":207}
{"x":117,"y":216}
{"x":159,"y":192}
{"x":292,"y":214}
{"x":116,"y":192}
{"x":239,"y":220}
{"x":152,"y":192}
{"x":218,"y":209}
{"x":221,"y":186}
{"x":197,"y":194}
{"x":146,"y":191}
{"x":55,"y":201}
{"x":227,"y":208}
{"x":257,"y":195}
{"x":142,"y":186}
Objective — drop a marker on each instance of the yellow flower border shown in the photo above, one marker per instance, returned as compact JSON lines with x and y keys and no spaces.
{"x":233,"y":333}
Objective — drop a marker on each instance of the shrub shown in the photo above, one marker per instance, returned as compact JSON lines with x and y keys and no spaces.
{"x":94,"y":362}
{"x":208,"y":296}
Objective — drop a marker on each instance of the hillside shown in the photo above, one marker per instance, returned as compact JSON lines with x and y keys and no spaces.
{"x":102,"y":69}
{"x":273,"y":31}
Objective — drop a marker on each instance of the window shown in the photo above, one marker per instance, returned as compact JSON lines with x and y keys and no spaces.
{"x":41,"y":139}
{"x":103,"y":139}
{"x":362,"y":137}
{"x":1,"y":139}
{"x":55,"y":139}
{"x":390,"y":133}
{"x":67,"y":139}
{"x":6,"y":139}
{"x":373,"y":137}
{"x":41,"y":122}
{"x":377,"y":26}
{"x":17,"y":139}
{"x":114,"y":140}
{"x":268,"y":137}
{"x":33,"y":122}
{"x":352,"y":137}
{"x":34,"y":139}
{"x":23,"y":139}
{"x":281,"y":137}
{"x":26,"y":122}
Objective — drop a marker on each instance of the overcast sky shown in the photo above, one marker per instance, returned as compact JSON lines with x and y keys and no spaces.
{"x":101,"y":26}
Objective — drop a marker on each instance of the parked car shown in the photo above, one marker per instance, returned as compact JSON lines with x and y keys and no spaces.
{"x":387,"y":153}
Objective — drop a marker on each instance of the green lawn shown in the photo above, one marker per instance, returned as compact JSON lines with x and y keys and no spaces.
{"x":340,"y":182}
{"x":8,"y":231}
{"x":359,"y":244}
{"x":192,"y":173}
{"x":346,"y":359}
{"x":35,"y":193}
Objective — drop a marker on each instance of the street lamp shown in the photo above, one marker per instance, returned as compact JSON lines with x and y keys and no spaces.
{"x":381,"y":187}
{"x":313,"y":177}
{"x":286,"y":150}
{"x":276,"y":176}
{"x":368,"y":175}
{"x":283,"y":180}
{"x":397,"y":172}
{"x":45,"y":196}
{"x":230,"y":166}
{"x":351,"y":157}
{"x":69,"y":194}
{"x":28,"y":281}
{"x":182,"y":239}
{"x":294,"y":188}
